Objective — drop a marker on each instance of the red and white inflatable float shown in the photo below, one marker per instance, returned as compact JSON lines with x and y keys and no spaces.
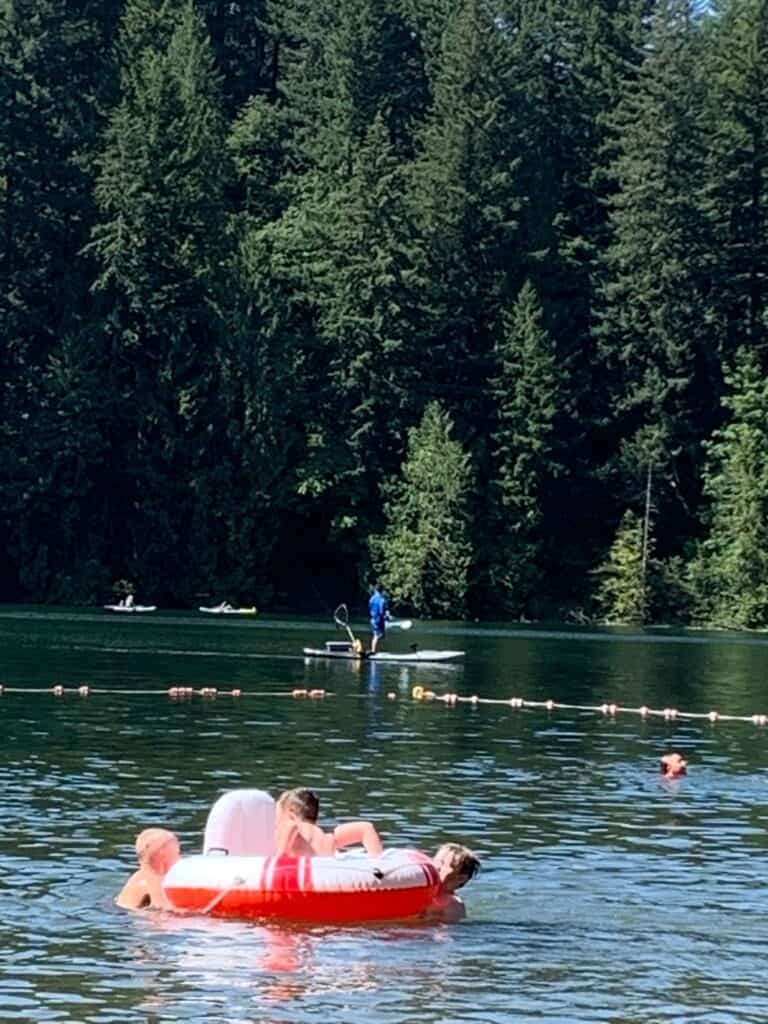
{"x":238,"y":874}
{"x":348,"y":887}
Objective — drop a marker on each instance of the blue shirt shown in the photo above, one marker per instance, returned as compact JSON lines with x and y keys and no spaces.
{"x":377,"y":608}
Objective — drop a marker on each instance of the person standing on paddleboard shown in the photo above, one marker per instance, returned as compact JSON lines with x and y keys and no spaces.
{"x":378,"y":610}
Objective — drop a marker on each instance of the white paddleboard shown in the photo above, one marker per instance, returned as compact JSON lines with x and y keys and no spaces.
{"x":407,"y":657}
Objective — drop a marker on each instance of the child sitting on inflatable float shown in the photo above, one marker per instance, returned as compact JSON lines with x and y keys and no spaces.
{"x":297,"y":833}
{"x":241,"y":873}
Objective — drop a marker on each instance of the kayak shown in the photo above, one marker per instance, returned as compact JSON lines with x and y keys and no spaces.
{"x":131,"y":607}
{"x":343,"y":650}
{"x":228,"y":611}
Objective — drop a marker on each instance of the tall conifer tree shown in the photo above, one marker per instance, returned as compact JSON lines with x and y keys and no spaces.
{"x":466,"y":203}
{"x":159,"y":245}
{"x":335,"y":237}
{"x":425,"y":552}
{"x":52,"y":56}
{"x":623,"y":590}
{"x":525,"y":390}
{"x":736,"y":174}
{"x":730,"y":574}
{"x":654,"y":338}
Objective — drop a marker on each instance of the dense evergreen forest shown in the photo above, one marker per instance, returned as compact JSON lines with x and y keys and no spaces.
{"x":469,"y":295}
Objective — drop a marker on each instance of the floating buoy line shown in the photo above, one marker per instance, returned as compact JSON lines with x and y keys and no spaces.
{"x":174,"y":692}
{"x":419,"y":694}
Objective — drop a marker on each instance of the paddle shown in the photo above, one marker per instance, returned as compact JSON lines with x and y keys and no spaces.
{"x":399,"y":623}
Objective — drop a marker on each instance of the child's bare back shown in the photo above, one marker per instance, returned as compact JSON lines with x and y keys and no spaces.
{"x":297,"y":833}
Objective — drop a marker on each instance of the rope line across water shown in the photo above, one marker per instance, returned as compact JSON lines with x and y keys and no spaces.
{"x":418,"y":693}
{"x":669,"y":714}
{"x":174,"y":692}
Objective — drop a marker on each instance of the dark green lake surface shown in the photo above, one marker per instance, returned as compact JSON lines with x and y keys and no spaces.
{"x":606,"y":894}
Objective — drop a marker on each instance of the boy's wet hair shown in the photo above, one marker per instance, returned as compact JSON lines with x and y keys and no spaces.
{"x":460,"y":859}
{"x":150,"y":841}
{"x":304,"y":803}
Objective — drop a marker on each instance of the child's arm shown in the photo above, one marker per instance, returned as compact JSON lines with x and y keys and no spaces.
{"x":354,"y":832}
{"x":144,"y":889}
{"x":447,"y":908}
{"x":135,"y":894}
{"x":321,"y":843}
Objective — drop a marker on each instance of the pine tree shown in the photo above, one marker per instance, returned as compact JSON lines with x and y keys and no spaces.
{"x":424,"y":554}
{"x":53,"y":78}
{"x":245,"y":50}
{"x":341,"y":67}
{"x":365,"y":278}
{"x":160,"y":246}
{"x":736,"y":172}
{"x":654,"y":337}
{"x":730,"y":573}
{"x":466,"y":203}
{"x":622,"y":594}
{"x":329,"y":229}
{"x":525,"y":391}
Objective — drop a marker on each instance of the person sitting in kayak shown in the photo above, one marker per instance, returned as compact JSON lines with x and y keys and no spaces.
{"x":297,"y":833}
{"x":157,"y":851}
{"x":378,"y":611}
{"x":456,"y":865}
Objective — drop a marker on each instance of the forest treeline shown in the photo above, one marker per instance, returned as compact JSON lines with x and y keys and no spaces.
{"x":468,"y":295}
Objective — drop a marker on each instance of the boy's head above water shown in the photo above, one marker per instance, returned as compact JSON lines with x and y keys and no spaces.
{"x":672,"y":765}
{"x":158,"y":849}
{"x":302,"y":803}
{"x":456,"y":865}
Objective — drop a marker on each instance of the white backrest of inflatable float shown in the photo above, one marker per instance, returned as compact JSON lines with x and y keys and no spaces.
{"x":242,"y":824}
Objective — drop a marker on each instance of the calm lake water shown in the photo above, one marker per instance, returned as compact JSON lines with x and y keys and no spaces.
{"x":606,"y":894}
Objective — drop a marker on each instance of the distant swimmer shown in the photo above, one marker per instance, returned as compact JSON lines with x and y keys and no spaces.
{"x":673,"y":766}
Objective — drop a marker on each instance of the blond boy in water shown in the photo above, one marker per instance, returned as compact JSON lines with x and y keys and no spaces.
{"x":456,"y":865}
{"x":297,"y":833}
{"x":157,"y":851}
